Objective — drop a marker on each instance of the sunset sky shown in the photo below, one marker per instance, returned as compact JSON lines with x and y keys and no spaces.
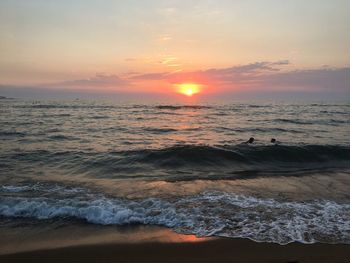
{"x":155,"y":46}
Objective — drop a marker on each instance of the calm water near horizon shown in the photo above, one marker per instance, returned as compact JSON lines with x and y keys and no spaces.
{"x":183,"y":166}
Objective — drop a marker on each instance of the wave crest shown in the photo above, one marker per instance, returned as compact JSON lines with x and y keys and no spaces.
{"x":206,"y":214}
{"x":246,"y":154}
{"x":199,"y":161}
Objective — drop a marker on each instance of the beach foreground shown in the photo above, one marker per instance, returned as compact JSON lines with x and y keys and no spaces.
{"x":86,"y":243}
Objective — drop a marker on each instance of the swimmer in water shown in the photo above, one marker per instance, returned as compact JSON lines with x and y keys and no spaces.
{"x":251,"y":140}
{"x":275,"y":142}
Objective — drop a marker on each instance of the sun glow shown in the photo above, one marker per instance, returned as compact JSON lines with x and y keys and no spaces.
{"x":188,"y":89}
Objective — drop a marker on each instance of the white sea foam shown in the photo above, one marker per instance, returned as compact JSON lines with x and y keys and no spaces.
{"x":206,"y":214}
{"x":14,"y":189}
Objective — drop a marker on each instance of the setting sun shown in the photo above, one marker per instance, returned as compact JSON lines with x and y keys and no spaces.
{"x":188,"y":89}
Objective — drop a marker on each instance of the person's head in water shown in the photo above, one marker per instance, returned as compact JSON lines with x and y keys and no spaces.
{"x":273,"y":140}
{"x":251,"y":140}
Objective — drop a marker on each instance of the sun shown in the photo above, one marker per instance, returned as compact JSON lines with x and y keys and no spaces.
{"x":188,"y":89}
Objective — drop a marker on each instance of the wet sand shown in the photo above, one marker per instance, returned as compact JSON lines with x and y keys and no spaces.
{"x":221,"y":250}
{"x":76,"y":243}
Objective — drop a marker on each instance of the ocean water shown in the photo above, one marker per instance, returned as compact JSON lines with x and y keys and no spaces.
{"x":183,"y":166}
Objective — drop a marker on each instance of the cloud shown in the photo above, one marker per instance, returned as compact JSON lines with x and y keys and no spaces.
{"x":263,"y":76}
{"x":255,"y":77}
{"x":254,"y":68}
{"x":231,"y":74}
{"x":99,"y":80}
{"x":152,"y":76}
{"x":331,"y":79}
{"x":266,"y":75}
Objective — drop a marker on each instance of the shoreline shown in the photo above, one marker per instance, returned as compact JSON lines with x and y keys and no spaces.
{"x":87,"y":243}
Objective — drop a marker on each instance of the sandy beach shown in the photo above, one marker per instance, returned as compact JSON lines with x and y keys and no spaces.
{"x":86,"y":243}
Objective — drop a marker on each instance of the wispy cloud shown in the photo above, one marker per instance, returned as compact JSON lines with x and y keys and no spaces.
{"x":151,"y":76}
{"x":99,"y":80}
{"x":232,"y":74}
{"x":252,"y":69}
{"x":263,"y":76}
{"x":259,"y":76}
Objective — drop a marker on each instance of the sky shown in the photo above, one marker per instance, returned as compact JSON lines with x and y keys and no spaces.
{"x":227,"y":47}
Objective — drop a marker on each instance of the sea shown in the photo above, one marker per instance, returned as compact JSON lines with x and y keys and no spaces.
{"x":184,"y":166}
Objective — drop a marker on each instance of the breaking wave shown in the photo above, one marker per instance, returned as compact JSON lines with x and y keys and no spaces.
{"x":205,"y":214}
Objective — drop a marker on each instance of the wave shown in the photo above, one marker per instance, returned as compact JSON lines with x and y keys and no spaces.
{"x":247,"y":154}
{"x":317,"y":122}
{"x":42,"y":188}
{"x":12,"y":134}
{"x":260,"y":130}
{"x":241,"y":153}
{"x":294,"y":121}
{"x":57,"y":115}
{"x":205,"y":214}
{"x":199,"y":161}
{"x":172,"y":107}
{"x":158,"y":130}
{"x":60,"y":137}
{"x":100,"y":117}
{"x":63,"y":106}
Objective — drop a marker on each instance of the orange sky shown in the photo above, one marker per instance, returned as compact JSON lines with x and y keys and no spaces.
{"x":156,"y":45}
